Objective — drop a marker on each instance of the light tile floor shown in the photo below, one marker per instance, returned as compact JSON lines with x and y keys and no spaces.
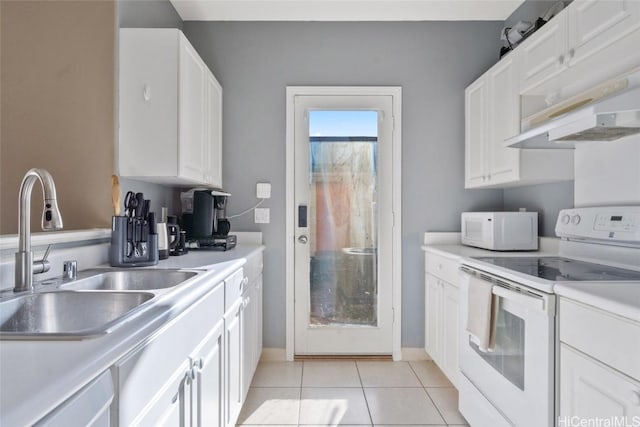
{"x":357,"y":393}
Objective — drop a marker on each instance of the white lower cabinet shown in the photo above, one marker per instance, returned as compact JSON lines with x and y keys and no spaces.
{"x":88,"y":407}
{"x":599,"y":374}
{"x":233,"y":362}
{"x":195,"y":371}
{"x":441,"y":313}
{"x":252,"y":320}
{"x":208,"y":388}
{"x":155,"y":382}
{"x":592,"y":390}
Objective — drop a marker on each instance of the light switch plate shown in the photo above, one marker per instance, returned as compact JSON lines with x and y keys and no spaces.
{"x":263,"y":190}
{"x":261,"y":215}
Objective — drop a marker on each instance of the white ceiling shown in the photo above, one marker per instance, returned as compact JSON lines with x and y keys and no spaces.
{"x":345,"y":10}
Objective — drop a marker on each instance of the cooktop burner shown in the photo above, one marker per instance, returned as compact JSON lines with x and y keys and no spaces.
{"x":563,"y":269}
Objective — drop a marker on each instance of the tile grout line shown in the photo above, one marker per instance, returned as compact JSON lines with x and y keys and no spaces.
{"x":427,"y":393}
{"x":366,"y":401}
{"x":300,"y":394}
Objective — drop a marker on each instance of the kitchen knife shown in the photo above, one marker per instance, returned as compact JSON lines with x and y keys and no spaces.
{"x":139,"y":205}
{"x":115,"y":194}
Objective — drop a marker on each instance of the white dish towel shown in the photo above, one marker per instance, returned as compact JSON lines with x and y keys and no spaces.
{"x":482,"y":313}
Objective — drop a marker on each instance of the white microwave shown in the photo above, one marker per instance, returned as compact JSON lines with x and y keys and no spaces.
{"x":500,"y":231}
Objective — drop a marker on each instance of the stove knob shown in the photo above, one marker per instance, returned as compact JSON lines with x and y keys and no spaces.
{"x":565,"y":219}
{"x":575,"y":220}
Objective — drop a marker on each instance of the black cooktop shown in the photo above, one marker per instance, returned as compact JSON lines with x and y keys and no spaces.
{"x":563,"y":269}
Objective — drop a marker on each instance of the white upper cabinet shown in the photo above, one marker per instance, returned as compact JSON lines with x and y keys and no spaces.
{"x":492,"y":114}
{"x":596,"y":25}
{"x":587,"y":43}
{"x":475,"y":129}
{"x":213,"y":131}
{"x":543,"y":55}
{"x":170,"y":118}
{"x":504,"y":121}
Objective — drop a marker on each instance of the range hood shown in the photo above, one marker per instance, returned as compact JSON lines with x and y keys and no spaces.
{"x":606,"y":119}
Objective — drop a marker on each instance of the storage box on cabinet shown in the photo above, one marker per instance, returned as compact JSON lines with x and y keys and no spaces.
{"x":152,"y":378}
{"x":170,"y":117}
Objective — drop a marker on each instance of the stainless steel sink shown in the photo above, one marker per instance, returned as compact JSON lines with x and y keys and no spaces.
{"x":67,"y":315}
{"x":131,"y":280}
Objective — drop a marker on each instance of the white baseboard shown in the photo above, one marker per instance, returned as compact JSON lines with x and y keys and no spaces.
{"x":409,"y":354}
{"x":273,"y":355}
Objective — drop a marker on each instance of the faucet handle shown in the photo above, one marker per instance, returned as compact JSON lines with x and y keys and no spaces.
{"x":70,"y":270}
{"x":43,"y":265}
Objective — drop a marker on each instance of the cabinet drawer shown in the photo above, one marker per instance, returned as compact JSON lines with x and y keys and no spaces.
{"x":145,"y":372}
{"x":442,"y":267}
{"x":233,"y":287}
{"x":611,"y":339}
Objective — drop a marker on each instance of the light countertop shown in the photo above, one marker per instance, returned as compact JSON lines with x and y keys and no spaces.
{"x":620,"y":298}
{"x":37,"y":376}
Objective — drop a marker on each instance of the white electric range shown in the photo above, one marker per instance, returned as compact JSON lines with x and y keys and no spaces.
{"x":513,"y":383}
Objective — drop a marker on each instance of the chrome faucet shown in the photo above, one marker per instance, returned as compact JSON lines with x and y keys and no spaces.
{"x":51,"y":220}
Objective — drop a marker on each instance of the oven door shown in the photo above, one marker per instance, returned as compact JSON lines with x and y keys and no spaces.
{"x":517,"y":376}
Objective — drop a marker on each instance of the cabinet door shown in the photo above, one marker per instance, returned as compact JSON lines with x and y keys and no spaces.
{"x":544,"y":55}
{"x":191,"y":123}
{"x":209,"y":384}
{"x":596,"y":24}
{"x":450,"y":332}
{"x":213,"y":131}
{"x":432,"y":316}
{"x":504,"y":120}
{"x":591,"y":390}
{"x":258,"y":322}
{"x":171,"y":407}
{"x":475,"y":129}
{"x":248,"y":339}
{"x":233,"y":363}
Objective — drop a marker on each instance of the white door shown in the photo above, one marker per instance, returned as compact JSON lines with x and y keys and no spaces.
{"x":343,"y":224}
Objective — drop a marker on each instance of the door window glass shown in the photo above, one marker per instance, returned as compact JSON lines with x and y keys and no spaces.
{"x":343,"y":223}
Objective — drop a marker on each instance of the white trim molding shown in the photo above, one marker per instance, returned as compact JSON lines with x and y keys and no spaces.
{"x":396,"y":93}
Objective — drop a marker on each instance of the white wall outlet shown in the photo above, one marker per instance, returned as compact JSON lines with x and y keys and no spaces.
{"x":263,"y":190}
{"x":261,"y":215}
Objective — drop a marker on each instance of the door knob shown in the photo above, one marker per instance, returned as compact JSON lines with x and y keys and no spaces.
{"x":303,"y":239}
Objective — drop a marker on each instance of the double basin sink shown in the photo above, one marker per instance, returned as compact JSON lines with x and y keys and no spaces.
{"x":94,"y":304}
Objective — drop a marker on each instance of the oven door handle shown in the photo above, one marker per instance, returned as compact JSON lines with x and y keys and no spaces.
{"x":532,"y":302}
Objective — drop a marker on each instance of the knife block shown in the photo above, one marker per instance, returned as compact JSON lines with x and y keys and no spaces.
{"x":127,"y":250}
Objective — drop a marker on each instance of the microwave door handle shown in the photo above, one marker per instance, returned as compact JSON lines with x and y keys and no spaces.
{"x":529,"y":301}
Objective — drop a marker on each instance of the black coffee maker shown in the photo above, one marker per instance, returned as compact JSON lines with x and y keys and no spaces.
{"x":208,"y":227}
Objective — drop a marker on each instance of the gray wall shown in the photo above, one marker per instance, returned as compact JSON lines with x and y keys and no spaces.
{"x":546,"y":199}
{"x":432,"y":61}
{"x":149,"y":14}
